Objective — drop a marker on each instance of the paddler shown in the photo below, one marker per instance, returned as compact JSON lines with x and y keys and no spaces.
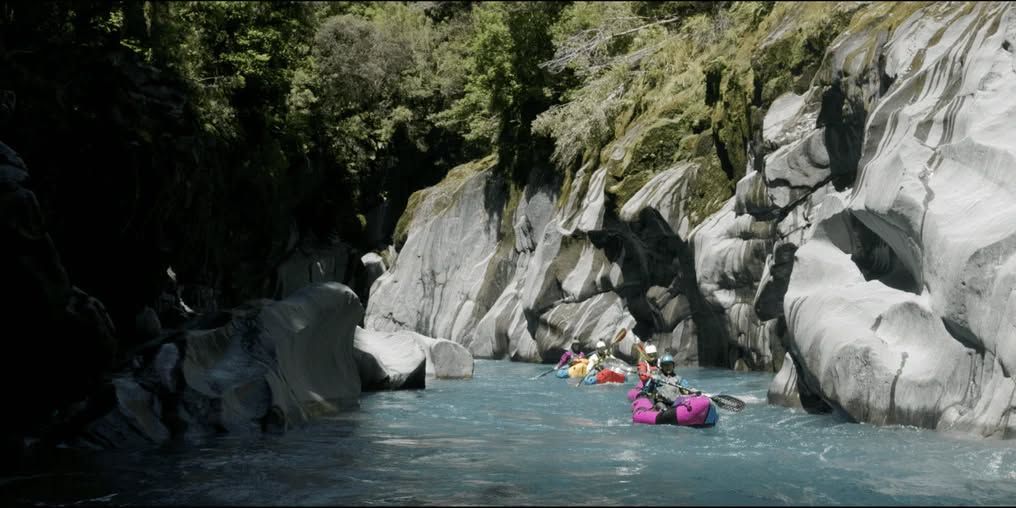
{"x":571,"y":355}
{"x":598,"y":357}
{"x":665,"y":386}
{"x":647,"y":365}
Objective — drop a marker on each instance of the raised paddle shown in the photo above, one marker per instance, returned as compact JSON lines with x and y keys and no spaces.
{"x":728,"y":402}
{"x":617,"y":338}
{"x":641,"y":351}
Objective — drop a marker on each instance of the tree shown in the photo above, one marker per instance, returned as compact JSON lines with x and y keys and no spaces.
{"x":506,"y":86}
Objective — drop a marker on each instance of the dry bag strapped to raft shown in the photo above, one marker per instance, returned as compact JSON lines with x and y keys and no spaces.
{"x":578,"y":370}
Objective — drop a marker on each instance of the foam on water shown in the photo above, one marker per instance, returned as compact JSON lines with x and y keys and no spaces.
{"x":502,"y":438}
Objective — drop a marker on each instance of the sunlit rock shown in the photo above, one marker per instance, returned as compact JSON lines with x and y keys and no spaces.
{"x":374,"y":265}
{"x":445,"y":359}
{"x":401,"y":358}
{"x":440,"y":284}
{"x":900,"y":304}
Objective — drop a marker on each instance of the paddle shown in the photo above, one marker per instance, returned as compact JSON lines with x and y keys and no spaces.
{"x":617,"y":338}
{"x":544,"y":374}
{"x":642,"y":351}
{"x":728,"y":402}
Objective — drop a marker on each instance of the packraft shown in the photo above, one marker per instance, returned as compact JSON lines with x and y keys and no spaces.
{"x":687,"y":410}
{"x":613,"y":371}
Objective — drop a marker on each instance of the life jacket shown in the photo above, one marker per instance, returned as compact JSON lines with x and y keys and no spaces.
{"x":667,"y":389}
{"x":597,"y":361}
{"x":646,"y":370}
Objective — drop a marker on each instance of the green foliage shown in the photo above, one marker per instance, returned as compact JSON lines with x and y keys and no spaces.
{"x":586,"y":122}
{"x":591,"y":16}
{"x":691,"y":89}
{"x":656,"y":9}
{"x":237,"y":119}
{"x":228,"y":121}
{"x":506,"y":86}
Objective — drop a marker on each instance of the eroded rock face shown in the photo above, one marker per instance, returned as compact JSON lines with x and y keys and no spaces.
{"x":438,"y":283}
{"x":867,"y":256}
{"x":730,"y":255}
{"x":900,"y":301}
{"x":563,"y":275}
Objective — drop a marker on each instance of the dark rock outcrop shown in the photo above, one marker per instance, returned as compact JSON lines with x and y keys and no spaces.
{"x":273,"y":365}
{"x":58,"y":340}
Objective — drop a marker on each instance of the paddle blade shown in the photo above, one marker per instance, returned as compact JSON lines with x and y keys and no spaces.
{"x":728,"y":402}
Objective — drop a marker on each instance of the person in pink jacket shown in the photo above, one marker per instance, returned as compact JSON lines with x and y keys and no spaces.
{"x":571,"y":354}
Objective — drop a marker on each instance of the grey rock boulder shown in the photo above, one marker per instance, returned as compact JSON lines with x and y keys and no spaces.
{"x":374,"y":265}
{"x":401,"y":358}
{"x":268,"y":363}
{"x":446,"y":359}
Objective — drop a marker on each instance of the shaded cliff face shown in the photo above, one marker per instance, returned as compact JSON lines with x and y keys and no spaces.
{"x":58,"y":340}
{"x":266,"y":366}
{"x":866,"y":253}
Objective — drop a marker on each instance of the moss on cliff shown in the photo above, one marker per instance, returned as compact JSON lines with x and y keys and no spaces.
{"x":788,"y":57}
{"x":697,"y":92}
{"x":439,"y":197}
{"x":709,"y":190}
{"x":507,"y":227}
{"x":700,"y":94}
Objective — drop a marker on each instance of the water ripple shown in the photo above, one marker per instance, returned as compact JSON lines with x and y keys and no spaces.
{"x":502,"y":439}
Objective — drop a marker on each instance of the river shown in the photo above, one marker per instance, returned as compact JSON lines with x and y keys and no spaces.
{"x":503,"y":438}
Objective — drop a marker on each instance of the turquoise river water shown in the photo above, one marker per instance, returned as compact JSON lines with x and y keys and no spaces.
{"x":502,"y":438}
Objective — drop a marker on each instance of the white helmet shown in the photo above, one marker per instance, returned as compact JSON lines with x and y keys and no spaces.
{"x":650,"y":349}
{"x":600,"y":344}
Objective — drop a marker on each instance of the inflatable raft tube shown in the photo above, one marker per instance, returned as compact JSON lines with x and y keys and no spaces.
{"x":688,"y":410}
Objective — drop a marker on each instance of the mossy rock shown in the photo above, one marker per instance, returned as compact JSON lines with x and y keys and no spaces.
{"x":708,"y":189}
{"x":655,"y":149}
{"x":732,"y":129}
{"x":697,"y":145}
{"x":658,"y":147}
{"x":626,"y":188}
{"x":440,"y":195}
{"x":507,"y":227}
{"x":790,"y":62}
